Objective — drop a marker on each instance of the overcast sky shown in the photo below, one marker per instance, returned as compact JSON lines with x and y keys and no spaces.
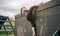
{"x":12,"y":7}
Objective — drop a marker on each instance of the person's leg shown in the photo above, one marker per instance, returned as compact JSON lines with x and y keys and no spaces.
{"x":1,"y":23}
{"x":59,"y":33}
{"x":33,"y":27}
{"x":34,"y":31}
{"x":0,"y":27}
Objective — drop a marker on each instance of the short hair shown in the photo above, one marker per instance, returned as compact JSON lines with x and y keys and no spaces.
{"x":22,"y":8}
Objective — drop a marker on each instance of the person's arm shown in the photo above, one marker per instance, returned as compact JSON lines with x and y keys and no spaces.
{"x":33,"y":30}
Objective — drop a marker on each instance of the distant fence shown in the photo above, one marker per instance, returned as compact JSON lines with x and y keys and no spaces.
{"x":4,"y":27}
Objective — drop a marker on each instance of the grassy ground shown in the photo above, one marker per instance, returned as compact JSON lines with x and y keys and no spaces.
{"x":4,"y":34}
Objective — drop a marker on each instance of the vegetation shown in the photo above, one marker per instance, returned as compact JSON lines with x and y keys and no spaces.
{"x":3,"y":33}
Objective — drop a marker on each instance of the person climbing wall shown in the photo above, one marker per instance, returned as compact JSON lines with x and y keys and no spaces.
{"x":31,"y":18}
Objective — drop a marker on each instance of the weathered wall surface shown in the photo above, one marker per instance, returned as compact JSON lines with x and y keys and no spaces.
{"x":22,"y":27}
{"x":48,"y":18}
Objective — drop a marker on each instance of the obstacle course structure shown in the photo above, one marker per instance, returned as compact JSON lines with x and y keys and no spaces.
{"x":47,"y":21}
{"x":48,"y":18}
{"x":22,"y":26}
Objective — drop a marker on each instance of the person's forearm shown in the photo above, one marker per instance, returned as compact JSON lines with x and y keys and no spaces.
{"x":33,"y":30}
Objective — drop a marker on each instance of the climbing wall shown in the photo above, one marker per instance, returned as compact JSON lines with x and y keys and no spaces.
{"x":22,"y":26}
{"x":48,"y":18}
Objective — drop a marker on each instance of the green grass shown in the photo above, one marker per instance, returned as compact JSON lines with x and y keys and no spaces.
{"x":2,"y":33}
{"x":5,"y":34}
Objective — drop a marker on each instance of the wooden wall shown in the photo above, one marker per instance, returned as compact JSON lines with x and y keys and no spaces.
{"x":48,"y":18}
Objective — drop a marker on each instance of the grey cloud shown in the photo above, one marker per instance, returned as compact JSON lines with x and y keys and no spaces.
{"x":14,"y":6}
{"x":7,"y":13}
{"x":5,"y":5}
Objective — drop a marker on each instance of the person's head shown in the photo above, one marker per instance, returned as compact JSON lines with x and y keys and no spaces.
{"x":23,"y":9}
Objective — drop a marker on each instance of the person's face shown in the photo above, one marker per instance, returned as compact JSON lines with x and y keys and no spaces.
{"x":23,"y":9}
